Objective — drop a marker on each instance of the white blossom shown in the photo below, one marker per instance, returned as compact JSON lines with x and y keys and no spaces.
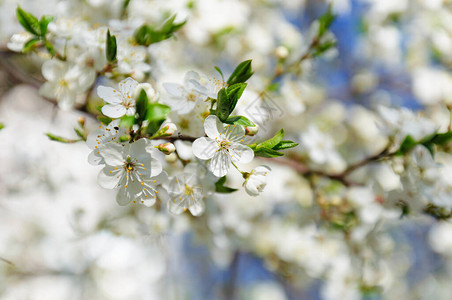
{"x":102,"y":136}
{"x":120,"y":101}
{"x":256,"y":181}
{"x":131,"y":169}
{"x":222,"y":146}
{"x":186,"y":192}
{"x":65,"y":81}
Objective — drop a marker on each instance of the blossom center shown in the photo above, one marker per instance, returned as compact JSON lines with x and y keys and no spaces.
{"x":188,"y":190}
{"x":224,"y":145}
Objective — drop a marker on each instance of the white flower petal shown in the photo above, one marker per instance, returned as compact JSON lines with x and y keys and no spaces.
{"x":123,"y":197}
{"x":95,"y":158}
{"x":114,"y":110}
{"x":241,"y":153}
{"x":53,"y":70}
{"x":197,"y":208}
{"x":66,"y":100}
{"x":175,"y":206}
{"x":204,"y":148}
{"x":109,"y":95}
{"x":174,"y":89}
{"x":112,"y":153}
{"x":127,"y":86}
{"x":220,"y":164}
{"x":109,"y":177}
{"x":213,"y":126}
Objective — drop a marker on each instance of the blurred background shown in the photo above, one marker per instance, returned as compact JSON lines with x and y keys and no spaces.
{"x":64,"y":237}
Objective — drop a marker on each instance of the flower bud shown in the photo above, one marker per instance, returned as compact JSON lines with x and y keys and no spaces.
{"x":256,"y":180}
{"x":171,"y":158}
{"x":81,"y":121}
{"x":166,"y":148}
{"x":150,"y":91}
{"x":167,"y":129}
{"x":281,"y":52}
{"x":251,"y":130}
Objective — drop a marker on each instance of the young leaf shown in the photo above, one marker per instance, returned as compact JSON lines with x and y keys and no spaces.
{"x":111,"y":48}
{"x":29,"y":22}
{"x":60,"y":139}
{"x":269,"y":144}
{"x":156,"y":115}
{"x":220,"y":188}
{"x":157,"y":111}
{"x":240,"y":120}
{"x":2,"y":126}
{"x":127,"y":121}
{"x":442,"y":138}
{"x":266,"y":152}
{"x":235,"y":91}
{"x":241,"y":73}
{"x":44,"y":23}
{"x":28,"y":46}
{"x":407,"y":144}
{"x":219,"y":72}
{"x":142,"y":105}
{"x":325,"y":21}
{"x":223,"y":105}
{"x":104,"y":120}
{"x":285,"y":145}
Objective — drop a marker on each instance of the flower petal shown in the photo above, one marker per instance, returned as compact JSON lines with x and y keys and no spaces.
{"x":213,"y":126}
{"x":109,"y":95}
{"x":114,"y":110}
{"x":176,"y":206}
{"x":220,"y":164}
{"x":109,"y":178}
{"x":197,"y":208}
{"x":174,"y":89}
{"x":204,"y":148}
{"x":53,"y":70}
{"x":95,"y":158}
{"x":241,"y":153}
{"x":123,"y":197}
{"x":112,"y":153}
{"x":127,"y":86}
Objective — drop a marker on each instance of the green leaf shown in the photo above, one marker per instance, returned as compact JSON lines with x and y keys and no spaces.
{"x":285,"y":145}
{"x":60,"y":139}
{"x":240,"y":120}
{"x":408,"y":143}
{"x":50,"y":48}
{"x":29,"y":22}
{"x":104,"y":120}
{"x":44,"y":23}
{"x":325,"y":21}
{"x":157,"y":111}
{"x":156,"y":115}
{"x":322,"y":48}
{"x":241,"y":73}
{"x":235,"y":91}
{"x":111,"y":48}
{"x":79,"y":133}
{"x":220,"y":188}
{"x":442,"y":138}
{"x":223,"y":105}
{"x":146,"y":35}
{"x":219,"y":71}
{"x":127,"y":121}
{"x":2,"y":126}
{"x":142,"y":105}
{"x":266,"y":152}
{"x":30,"y":44}
{"x":269,"y":144}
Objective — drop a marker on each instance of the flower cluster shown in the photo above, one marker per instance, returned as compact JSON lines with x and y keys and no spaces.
{"x":205,"y":154}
